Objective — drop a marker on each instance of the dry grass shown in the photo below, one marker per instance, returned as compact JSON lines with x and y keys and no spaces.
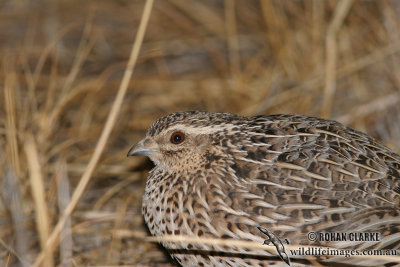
{"x":63,"y":62}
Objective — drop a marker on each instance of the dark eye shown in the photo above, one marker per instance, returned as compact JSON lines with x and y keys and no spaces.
{"x":177,"y":138}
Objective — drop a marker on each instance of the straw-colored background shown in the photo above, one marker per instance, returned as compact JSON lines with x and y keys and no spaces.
{"x":61,"y":66}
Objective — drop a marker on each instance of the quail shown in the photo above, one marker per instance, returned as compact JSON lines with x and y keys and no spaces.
{"x":219,"y":175}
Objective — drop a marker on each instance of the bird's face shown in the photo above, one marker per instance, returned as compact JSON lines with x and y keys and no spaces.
{"x":189,"y":142}
{"x":178,"y":148}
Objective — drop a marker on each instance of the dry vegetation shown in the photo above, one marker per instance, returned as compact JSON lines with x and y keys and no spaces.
{"x":61,"y":66}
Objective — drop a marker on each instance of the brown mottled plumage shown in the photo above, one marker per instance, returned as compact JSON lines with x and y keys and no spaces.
{"x":219,"y":175}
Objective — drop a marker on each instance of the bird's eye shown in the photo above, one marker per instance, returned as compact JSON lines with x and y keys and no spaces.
{"x":177,"y":138}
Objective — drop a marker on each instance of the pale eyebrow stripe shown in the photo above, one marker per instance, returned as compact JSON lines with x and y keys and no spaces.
{"x":199,"y":130}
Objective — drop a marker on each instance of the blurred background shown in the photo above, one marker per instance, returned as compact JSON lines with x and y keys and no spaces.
{"x":61,"y":65}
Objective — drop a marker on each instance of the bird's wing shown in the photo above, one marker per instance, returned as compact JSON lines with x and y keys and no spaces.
{"x":303,"y":173}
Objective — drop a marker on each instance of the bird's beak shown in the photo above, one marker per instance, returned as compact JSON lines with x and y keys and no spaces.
{"x":144,"y":147}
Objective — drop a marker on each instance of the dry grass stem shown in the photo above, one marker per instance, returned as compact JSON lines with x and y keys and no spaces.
{"x":232,"y":39}
{"x":38,"y":192}
{"x":105,"y":133}
{"x":203,"y":15}
{"x":63,"y":197}
{"x":11,"y":129}
{"x":115,"y":246}
{"x":372,"y":107}
{"x":340,"y":14}
{"x":113,"y":190}
{"x":11,"y":195}
{"x":85,"y":45}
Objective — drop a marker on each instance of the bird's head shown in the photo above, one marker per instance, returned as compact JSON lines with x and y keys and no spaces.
{"x":186,"y":141}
